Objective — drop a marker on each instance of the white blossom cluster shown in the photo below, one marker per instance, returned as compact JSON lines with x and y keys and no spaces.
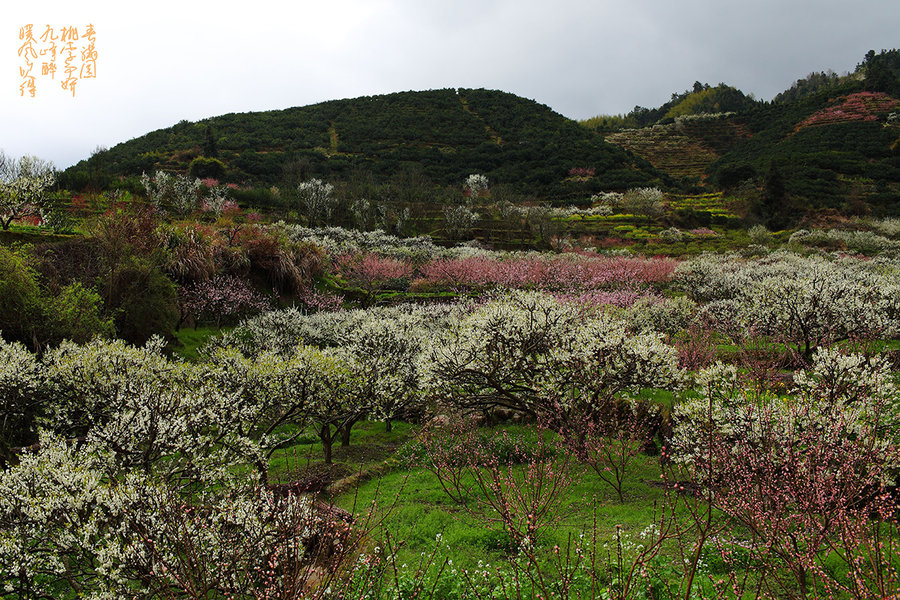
{"x":760,"y":235}
{"x":517,"y":351}
{"x":647,"y":202}
{"x":888,"y":227}
{"x":527,"y":352}
{"x":337,"y":241}
{"x":22,"y":186}
{"x":365,"y":365}
{"x":844,"y":397}
{"x":217,"y":200}
{"x":459,"y":221}
{"x":612,"y":199}
{"x":178,"y":192}
{"x":712,"y":277}
{"x":601,"y":210}
{"x":475,"y":185}
{"x":327,"y":369}
{"x":666,"y":315}
{"x":22,"y":389}
{"x":307,"y":385}
{"x":670,"y":235}
{"x":281,"y":331}
{"x":807,"y":301}
{"x":140,"y":460}
{"x":317,"y":200}
{"x":866,"y":242}
{"x":70,"y":519}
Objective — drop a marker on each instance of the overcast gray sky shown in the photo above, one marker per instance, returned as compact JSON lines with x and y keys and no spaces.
{"x":163,"y":61}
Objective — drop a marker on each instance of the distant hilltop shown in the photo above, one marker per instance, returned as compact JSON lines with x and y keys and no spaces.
{"x":832,"y":139}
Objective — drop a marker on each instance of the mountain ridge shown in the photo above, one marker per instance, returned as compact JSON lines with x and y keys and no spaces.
{"x":705,"y":138}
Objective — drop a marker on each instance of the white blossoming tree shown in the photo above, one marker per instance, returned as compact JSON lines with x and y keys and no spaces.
{"x":530,"y":353}
{"x":499,"y":355}
{"x":301,"y":387}
{"x":459,"y":221}
{"x":475,"y":185}
{"x":336,"y":398}
{"x":807,"y":302}
{"x":22,"y":390}
{"x":385,"y":353}
{"x":23,"y":182}
{"x":644,"y":202}
{"x":603,"y":360}
{"x":817,"y":305}
{"x":317,"y":200}
{"x":74,"y":522}
{"x":154,"y":415}
{"x":178,"y":192}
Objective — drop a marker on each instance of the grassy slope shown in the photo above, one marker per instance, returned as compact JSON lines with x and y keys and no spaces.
{"x":415,"y":509}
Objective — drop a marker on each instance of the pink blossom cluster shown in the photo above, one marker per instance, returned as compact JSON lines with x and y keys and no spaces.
{"x":702,"y":231}
{"x":321,"y":301}
{"x":560,"y":273}
{"x":371,"y":268}
{"x":221,"y":297}
{"x":229,"y":207}
{"x":582,"y":172}
{"x":861,"y":106}
{"x":622,"y":298}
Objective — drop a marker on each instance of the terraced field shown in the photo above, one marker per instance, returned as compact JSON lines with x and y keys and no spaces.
{"x":714,"y":203}
{"x":683,"y":149}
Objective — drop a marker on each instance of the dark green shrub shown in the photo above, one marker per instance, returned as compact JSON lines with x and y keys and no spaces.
{"x":143,"y":300}
{"x":203,"y":167}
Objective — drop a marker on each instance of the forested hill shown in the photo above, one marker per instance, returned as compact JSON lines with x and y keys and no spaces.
{"x":437,"y":137}
{"x":827,"y":142}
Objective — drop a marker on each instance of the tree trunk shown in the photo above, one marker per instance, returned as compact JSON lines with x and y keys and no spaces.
{"x":262,"y":468}
{"x":325,"y":437}
{"x":387,"y":425}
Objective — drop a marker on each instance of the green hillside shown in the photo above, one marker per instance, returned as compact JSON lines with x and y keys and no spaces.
{"x":831,"y":141}
{"x":831,"y":148}
{"x":700,"y":100}
{"x":441,"y":136}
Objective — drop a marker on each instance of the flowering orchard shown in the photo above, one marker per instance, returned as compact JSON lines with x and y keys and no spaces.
{"x":861,"y":106}
{"x":625,"y":389}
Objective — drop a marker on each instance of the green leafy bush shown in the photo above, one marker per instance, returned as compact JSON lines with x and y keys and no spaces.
{"x":20,"y":295}
{"x":77,"y":314}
